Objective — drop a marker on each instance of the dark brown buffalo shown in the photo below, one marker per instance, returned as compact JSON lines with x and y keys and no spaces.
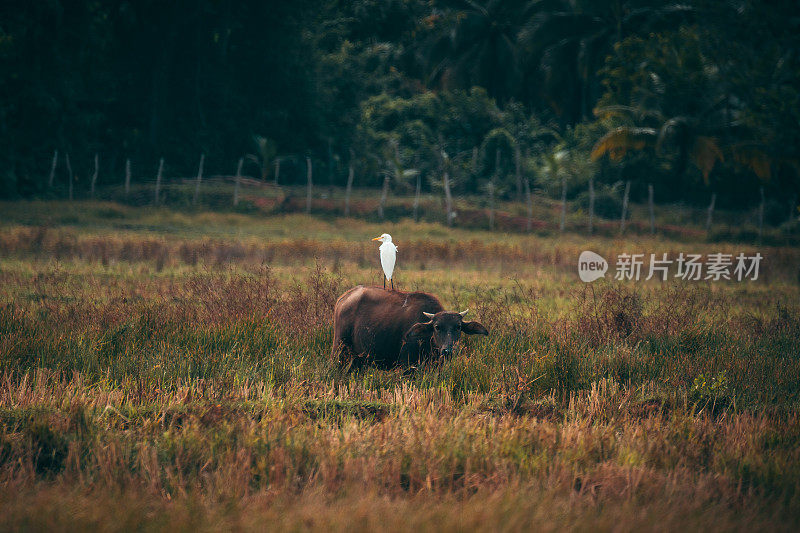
{"x":393,"y":328}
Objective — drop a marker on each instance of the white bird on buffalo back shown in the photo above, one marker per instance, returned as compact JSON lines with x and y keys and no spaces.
{"x":388,"y":257}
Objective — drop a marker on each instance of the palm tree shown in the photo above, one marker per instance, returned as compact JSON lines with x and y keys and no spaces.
{"x":266,"y":151}
{"x":669,"y":103}
{"x":477,"y":45}
{"x":684,"y":134}
{"x":689,"y":138}
{"x":564,"y":43}
{"x":564,"y":163}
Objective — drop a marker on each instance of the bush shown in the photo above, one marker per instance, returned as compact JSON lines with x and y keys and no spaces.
{"x":776,"y":213}
{"x":607,"y":200}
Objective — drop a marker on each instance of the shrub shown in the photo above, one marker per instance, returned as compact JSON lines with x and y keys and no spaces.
{"x":607,"y":200}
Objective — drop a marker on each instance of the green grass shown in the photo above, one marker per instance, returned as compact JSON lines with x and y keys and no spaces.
{"x":164,"y":370}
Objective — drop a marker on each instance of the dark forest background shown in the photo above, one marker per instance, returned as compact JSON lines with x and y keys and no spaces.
{"x":692,"y":97}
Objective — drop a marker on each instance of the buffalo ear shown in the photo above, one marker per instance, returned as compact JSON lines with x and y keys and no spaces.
{"x":474,"y":328}
{"x":420,"y":329}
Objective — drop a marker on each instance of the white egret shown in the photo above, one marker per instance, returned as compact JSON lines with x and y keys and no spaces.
{"x":388,"y":257}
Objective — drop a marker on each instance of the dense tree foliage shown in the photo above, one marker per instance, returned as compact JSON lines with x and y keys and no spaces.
{"x":693,"y":97}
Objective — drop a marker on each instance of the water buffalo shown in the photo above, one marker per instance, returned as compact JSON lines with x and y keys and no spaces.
{"x":394,"y":328}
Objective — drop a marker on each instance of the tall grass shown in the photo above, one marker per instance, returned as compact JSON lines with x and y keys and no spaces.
{"x":144,"y":384}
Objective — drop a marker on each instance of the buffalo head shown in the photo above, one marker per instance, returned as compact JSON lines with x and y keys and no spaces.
{"x":443,"y":330}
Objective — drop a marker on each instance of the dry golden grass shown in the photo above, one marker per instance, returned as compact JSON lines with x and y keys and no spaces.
{"x":164,"y":380}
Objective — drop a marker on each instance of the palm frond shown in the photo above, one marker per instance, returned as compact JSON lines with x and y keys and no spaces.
{"x":705,"y":154}
{"x":498,"y":136}
{"x":753,"y":157}
{"x":618,"y":142}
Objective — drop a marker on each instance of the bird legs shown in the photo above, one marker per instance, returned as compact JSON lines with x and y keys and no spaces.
{"x":384,"y":282}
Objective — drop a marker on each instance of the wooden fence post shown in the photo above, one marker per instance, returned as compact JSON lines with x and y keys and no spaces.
{"x":127,"y":177}
{"x":309,"y":184}
{"x":69,"y":174}
{"x":158,"y":180}
{"x":277,"y":169}
{"x":710,"y":216}
{"x":53,"y":170}
{"x":491,"y":187}
{"x":518,"y":170}
{"x":529,"y":201}
{"x":199,"y":178}
{"x":625,"y":198}
{"x":591,"y":205}
{"x":761,"y":216}
{"x":384,"y":194}
{"x":96,"y":172}
{"x":448,"y":199}
{"x":491,"y":205}
{"x":238,"y":179}
{"x":416,"y":196}
{"x":350,"y":177}
{"x":563,"y":223}
{"x":330,"y":168}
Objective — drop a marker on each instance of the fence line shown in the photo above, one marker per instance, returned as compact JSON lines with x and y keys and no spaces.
{"x":447,"y":200}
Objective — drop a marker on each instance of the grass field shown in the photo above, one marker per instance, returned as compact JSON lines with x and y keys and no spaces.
{"x":168,"y":369}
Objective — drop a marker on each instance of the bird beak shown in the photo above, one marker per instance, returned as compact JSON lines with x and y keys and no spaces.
{"x":376,"y":239}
